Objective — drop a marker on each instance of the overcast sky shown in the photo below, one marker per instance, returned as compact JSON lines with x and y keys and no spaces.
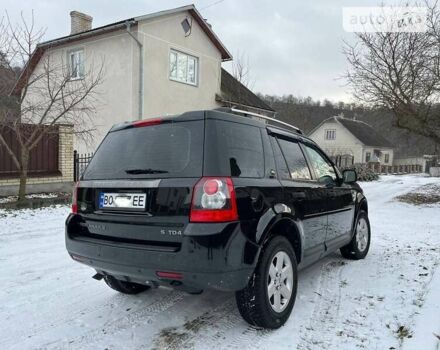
{"x":294,"y":47}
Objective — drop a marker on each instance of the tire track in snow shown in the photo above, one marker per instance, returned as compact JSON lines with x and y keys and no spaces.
{"x":325,"y":312}
{"x":219,"y":328}
{"x":250,"y":338}
{"x":221,"y":319}
{"x":62,"y":318}
{"x":120,"y":324}
{"x":59,"y":319}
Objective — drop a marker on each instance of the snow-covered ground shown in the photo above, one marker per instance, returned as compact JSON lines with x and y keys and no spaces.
{"x":9,"y":199}
{"x":389,"y":300}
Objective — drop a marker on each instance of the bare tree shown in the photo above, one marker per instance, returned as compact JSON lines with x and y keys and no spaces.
{"x":45,"y":95}
{"x":241,"y":69}
{"x":401,"y":72}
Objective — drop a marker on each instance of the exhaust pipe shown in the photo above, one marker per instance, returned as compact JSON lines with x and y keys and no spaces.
{"x":98,"y":276}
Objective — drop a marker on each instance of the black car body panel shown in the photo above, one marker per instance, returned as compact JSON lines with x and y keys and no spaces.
{"x":134,"y":245}
{"x":214,"y":260}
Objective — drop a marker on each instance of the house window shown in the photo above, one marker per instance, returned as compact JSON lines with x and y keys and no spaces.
{"x":183,"y":67}
{"x":330,"y":134}
{"x":76,"y":64}
{"x":387,"y":158}
{"x":367,"y":156}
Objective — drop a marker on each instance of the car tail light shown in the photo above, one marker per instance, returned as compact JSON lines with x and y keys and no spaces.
{"x":75,"y":198}
{"x":146,"y":122}
{"x":214,"y":200}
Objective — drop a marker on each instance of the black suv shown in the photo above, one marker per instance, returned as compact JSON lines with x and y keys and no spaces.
{"x":214,"y":200}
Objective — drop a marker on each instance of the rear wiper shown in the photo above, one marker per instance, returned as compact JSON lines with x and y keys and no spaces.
{"x":145,"y":171}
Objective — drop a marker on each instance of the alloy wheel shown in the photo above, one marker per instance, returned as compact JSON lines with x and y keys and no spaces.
{"x":280,"y":281}
{"x":362,"y":234}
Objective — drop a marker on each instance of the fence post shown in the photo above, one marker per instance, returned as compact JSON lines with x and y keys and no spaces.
{"x":75,"y":165}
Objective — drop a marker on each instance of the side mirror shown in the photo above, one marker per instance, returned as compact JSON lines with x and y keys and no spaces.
{"x":327,"y":180}
{"x":350,"y":176}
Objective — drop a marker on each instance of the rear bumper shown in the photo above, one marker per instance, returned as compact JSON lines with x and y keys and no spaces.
{"x":224,"y":259}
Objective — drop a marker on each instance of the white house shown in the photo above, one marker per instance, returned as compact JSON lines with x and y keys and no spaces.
{"x":340,"y":136}
{"x":158,"y":64}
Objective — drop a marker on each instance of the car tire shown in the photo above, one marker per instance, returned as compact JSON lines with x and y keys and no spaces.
{"x":265,"y":301}
{"x":360,"y":244}
{"x":123,"y":286}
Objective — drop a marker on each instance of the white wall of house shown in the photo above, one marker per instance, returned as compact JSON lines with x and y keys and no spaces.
{"x":119,"y":92}
{"x":117,"y":98}
{"x":383,"y":152}
{"x":343,"y":143}
{"x":166,"y":96}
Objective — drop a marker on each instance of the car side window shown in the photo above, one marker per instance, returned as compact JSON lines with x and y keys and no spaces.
{"x":296,"y":161}
{"x":283,"y":170}
{"x":324,"y":170}
{"x":235,"y":149}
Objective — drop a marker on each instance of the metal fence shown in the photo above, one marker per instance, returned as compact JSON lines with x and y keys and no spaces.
{"x":395,"y":169}
{"x":80,"y":162}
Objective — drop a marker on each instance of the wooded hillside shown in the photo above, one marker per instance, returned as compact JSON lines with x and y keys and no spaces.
{"x":307,"y":113}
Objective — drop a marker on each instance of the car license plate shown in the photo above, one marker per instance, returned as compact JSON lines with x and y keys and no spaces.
{"x":122,"y":200}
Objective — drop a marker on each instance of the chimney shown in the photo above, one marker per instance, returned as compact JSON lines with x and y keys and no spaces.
{"x":79,"y":22}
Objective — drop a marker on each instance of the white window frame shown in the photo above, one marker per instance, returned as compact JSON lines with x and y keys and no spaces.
{"x":196,"y":67}
{"x":386,"y":158}
{"x":80,"y":69}
{"x":330,"y":134}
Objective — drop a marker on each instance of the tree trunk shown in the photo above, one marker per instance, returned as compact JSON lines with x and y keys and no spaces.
{"x":24,"y":161}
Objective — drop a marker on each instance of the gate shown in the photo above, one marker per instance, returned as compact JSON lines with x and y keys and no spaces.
{"x":80,"y":162}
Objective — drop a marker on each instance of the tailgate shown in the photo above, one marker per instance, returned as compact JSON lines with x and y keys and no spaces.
{"x":160,"y":222}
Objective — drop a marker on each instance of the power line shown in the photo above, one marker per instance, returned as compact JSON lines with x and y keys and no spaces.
{"x":214,"y":3}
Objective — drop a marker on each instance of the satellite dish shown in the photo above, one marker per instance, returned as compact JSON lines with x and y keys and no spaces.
{"x":186,"y":26}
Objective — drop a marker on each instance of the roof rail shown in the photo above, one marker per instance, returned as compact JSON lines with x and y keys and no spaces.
{"x":247,"y":113}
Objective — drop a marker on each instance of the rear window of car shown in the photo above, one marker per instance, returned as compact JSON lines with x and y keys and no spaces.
{"x":157,"y":151}
{"x":233,"y":149}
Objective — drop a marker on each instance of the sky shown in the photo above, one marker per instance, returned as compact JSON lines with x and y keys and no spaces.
{"x":292,"y":47}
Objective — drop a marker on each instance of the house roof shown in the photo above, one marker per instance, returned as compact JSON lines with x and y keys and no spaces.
{"x":362,"y":131}
{"x":39,"y":50}
{"x":235,"y":92}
